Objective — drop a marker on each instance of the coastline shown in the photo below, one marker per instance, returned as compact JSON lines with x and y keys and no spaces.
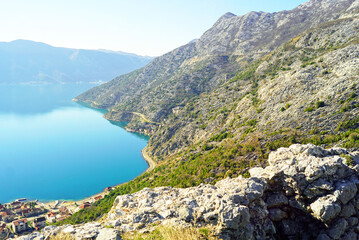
{"x":73,"y":205}
{"x":149,"y":160}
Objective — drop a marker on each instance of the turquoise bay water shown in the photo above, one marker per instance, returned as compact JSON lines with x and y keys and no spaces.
{"x":53,"y":148}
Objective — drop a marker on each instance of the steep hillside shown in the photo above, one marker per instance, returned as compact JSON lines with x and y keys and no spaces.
{"x":23,"y":61}
{"x":173,"y":79}
{"x":249,"y":85}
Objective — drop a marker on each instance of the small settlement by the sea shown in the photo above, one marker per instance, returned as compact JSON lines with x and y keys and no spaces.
{"x":23,"y":217}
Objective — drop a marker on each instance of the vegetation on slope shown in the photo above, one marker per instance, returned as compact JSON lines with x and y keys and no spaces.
{"x":304,"y":92}
{"x":168,"y":233}
{"x":239,"y":143}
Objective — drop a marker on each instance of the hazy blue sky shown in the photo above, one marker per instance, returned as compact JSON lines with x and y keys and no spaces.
{"x":147,"y":27}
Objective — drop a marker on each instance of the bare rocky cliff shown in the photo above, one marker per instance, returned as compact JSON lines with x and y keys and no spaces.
{"x":199,"y":67}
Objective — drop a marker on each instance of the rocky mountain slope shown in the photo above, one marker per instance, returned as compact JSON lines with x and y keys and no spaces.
{"x":199,"y":67}
{"x":23,"y":61}
{"x":251,"y":84}
{"x":218,"y":70}
{"x":306,"y":192}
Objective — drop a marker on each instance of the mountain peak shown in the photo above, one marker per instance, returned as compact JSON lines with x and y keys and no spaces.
{"x":225,"y":16}
{"x":228,"y":15}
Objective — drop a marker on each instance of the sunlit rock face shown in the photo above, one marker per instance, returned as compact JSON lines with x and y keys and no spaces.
{"x":306,"y":192}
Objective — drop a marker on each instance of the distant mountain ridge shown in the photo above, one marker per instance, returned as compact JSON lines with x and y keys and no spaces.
{"x":24,"y":61}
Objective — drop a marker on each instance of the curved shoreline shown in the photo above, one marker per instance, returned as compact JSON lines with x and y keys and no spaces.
{"x":149,"y":160}
{"x":73,"y":204}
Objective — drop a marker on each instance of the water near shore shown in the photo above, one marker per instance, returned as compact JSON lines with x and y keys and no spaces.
{"x":53,"y":148}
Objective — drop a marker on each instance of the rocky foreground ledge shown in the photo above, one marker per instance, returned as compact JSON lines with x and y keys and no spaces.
{"x":306,"y":192}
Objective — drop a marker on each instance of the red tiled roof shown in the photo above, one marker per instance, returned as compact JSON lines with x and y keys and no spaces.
{"x":5,"y":213}
{"x":85,"y":205}
{"x":26,"y":210}
{"x":21,"y":221}
{"x":51,"y":214}
{"x":98,"y":197}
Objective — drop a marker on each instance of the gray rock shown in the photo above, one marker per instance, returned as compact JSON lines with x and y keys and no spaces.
{"x":346,"y":191}
{"x":316,"y":151}
{"x":234,"y":218}
{"x":353,"y":221}
{"x":108,"y":234}
{"x":350,"y":236}
{"x":276,"y":214}
{"x":326,"y":208}
{"x":323,"y":236}
{"x":185,"y":214}
{"x":69,"y":229}
{"x":277,"y":200}
{"x":347,"y":210}
{"x":297,"y":203}
{"x":288,"y":227}
{"x":211,"y":217}
{"x":318,"y":188}
{"x":338,"y":228}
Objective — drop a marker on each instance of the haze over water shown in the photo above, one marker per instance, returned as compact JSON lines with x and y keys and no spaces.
{"x":53,"y":148}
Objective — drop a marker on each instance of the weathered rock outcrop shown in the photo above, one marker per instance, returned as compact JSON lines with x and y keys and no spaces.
{"x":306,"y":192}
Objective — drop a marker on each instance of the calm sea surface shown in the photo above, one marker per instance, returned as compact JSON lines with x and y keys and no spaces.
{"x":53,"y":148}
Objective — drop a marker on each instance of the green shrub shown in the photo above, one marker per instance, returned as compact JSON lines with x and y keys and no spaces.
{"x":349,"y":159}
{"x":353,"y":123}
{"x":309,"y":109}
{"x":207,"y":147}
{"x":319,"y":104}
{"x":252,"y":123}
{"x":354,"y":137}
{"x":352,"y":95}
{"x":203,"y":126}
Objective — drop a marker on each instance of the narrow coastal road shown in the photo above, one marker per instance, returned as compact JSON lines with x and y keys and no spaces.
{"x":148,"y":159}
{"x":144,"y":118}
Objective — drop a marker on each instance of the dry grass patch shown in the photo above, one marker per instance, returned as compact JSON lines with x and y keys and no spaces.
{"x":62,"y":236}
{"x":170,"y":233}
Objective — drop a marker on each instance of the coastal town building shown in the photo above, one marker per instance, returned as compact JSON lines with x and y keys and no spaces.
{"x":4,"y":231}
{"x":21,"y":200}
{"x":85,"y":205}
{"x":6,"y":215}
{"x":20,"y":225}
{"x":64,"y":211}
{"x":51,"y":217}
{"x":97,"y":197}
{"x":39,"y":223}
{"x":15,"y":205}
{"x":19,"y":212}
